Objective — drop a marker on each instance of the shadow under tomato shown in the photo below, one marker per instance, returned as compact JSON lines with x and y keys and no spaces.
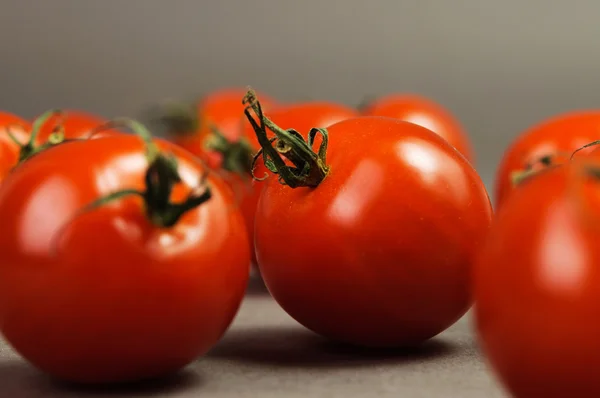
{"x":298,"y":347}
{"x":20,"y":380}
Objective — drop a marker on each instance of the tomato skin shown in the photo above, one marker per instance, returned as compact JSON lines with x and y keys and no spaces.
{"x":302,"y":117}
{"x":559,"y":135}
{"x":223,"y":109}
{"x":424,"y":112}
{"x":9,"y":150}
{"x":537,"y":287}
{"x":119,"y":299}
{"x":76,"y":124}
{"x":379,"y":254}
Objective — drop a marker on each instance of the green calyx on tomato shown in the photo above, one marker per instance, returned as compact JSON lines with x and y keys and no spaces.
{"x":544,"y":162}
{"x":182,"y":119}
{"x":308,"y":169}
{"x":160,"y":179}
{"x":31,"y":148}
{"x":520,"y":175}
{"x":237,"y":156}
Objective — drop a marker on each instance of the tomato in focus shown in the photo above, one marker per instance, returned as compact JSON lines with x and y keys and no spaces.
{"x":537,"y":285}
{"x":424,"y":112}
{"x":302,"y":117}
{"x":551,"y":141}
{"x":117,"y":293}
{"x":374,"y":245}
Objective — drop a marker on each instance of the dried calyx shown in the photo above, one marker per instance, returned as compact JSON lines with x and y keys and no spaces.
{"x":307,"y":169}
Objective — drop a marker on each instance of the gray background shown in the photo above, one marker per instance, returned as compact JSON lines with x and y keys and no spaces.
{"x":498,"y":65}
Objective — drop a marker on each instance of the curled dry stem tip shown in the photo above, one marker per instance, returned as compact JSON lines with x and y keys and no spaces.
{"x":308,"y":168}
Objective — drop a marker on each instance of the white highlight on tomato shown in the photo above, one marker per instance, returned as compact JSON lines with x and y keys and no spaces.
{"x":434,"y":167}
{"x":39,"y":223}
{"x":361,"y":188}
{"x":562,"y":253}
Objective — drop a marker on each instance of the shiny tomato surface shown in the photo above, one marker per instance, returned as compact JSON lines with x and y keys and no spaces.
{"x":380,"y":252}
{"x":537,"y":285}
{"x":106,"y":295}
{"x":424,"y":112}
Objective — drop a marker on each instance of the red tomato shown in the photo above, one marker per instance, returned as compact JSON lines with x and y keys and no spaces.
{"x":374,"y":245}
{"x":110,"y":294}
{"x":75,"y":124}
{"x":537,"y":286}
{"x":424,"y":112}
{"x":9,"y":150}
{"x":302,"y":117}
{"x":223,"y":109}
{"x":551,"y":141}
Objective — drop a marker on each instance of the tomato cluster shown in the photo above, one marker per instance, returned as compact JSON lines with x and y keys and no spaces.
{"x":369,"y":226}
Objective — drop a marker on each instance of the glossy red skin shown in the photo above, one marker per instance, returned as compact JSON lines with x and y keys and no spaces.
{"x":424,"y":112}
{"x":76,"y":124}
{"x":119,"y":299}
{"x":379,"y":254}
{"x":223,"y":109}
{"x":560,"y":134}
{"x":9,"y":150}
{"x":302,"y":117}
{"x":537,"y":287}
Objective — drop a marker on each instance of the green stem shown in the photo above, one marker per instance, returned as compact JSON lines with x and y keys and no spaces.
{"x":160,"y":179}
{"x":30,"y":148}
{"x":309,"y":167}
{"x":237,"y":156}
{"x":545,"y":161}
{"x":594,"y":143}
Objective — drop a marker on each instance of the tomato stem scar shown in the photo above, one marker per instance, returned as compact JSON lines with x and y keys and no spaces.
{"x":161,"y":177}
{"x":309,"y":167}
{"x":546,"y":161}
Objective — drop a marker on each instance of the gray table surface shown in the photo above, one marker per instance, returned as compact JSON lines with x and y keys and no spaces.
{"x":267,"y":354}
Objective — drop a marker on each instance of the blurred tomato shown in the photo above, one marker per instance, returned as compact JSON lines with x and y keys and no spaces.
{"x":74,"y":124}
{"x":424,"y":112}
{"x":192,"y":126}
{"x":550,"y":142}
{"x":19,"y":128}
{"x":537,"y":285}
